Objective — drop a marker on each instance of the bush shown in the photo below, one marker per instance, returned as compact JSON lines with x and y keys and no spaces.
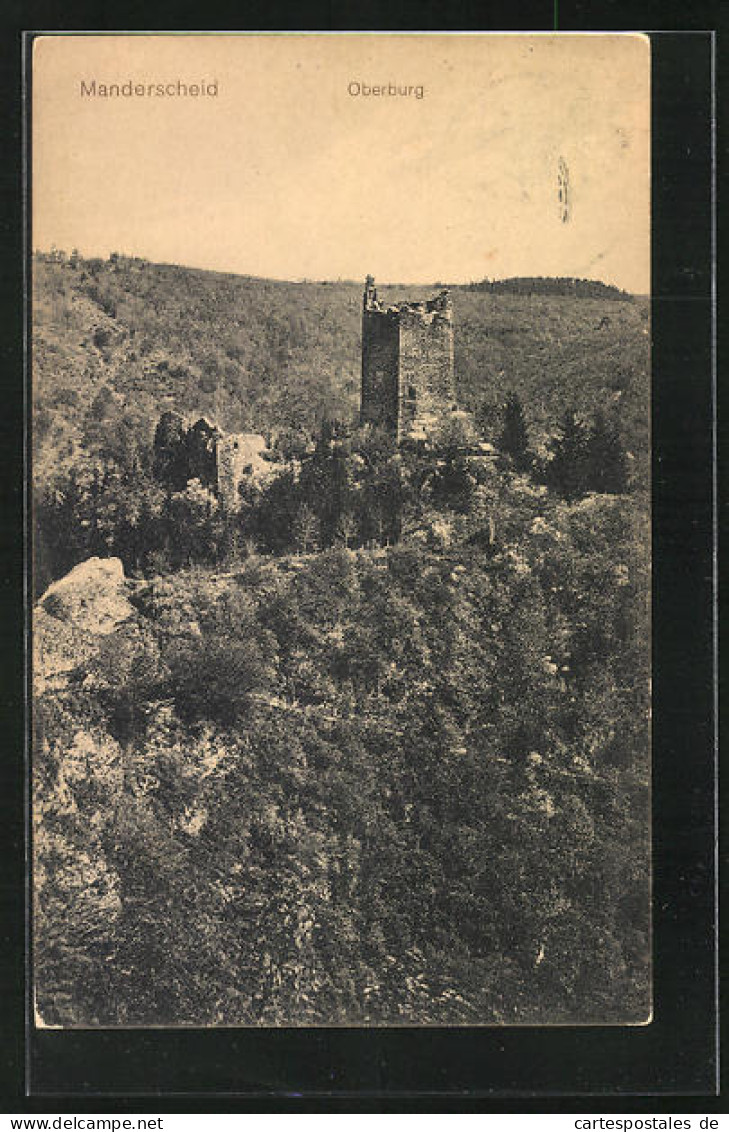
{"x":214,"y":679}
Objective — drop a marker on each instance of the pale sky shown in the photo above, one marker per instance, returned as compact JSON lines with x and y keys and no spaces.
{"x":286,"y":174}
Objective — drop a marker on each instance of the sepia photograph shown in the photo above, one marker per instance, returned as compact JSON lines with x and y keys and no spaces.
{"x":341,"y":525}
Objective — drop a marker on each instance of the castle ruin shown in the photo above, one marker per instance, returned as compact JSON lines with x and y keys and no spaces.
{"x":408,"y":385}
{"x":408,"y":389}
{"x":220,"y":461}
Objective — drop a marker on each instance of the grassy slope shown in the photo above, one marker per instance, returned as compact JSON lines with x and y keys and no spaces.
{"x":263,"y":354}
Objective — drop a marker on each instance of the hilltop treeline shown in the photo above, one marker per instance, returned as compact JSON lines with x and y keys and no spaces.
{"x":549,"y":285}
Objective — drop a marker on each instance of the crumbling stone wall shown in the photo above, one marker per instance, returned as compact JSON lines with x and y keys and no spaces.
{"x":426,"y":365}
{"x":380,"y":359}
{"x":407,"y":364}
{"x":239,"y":455}
{"x":204,"y":452}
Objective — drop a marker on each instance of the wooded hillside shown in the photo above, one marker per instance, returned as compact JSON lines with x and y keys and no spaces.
{"x":116,"y":342}
{"x":372,"y":747}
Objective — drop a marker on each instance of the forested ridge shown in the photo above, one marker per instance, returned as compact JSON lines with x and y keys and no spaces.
{"x":116,"y":342}
{"x":374,"y":749}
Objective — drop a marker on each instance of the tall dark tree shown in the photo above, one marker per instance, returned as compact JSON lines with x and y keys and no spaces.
{"x":606,"y":461}
{"x":488,"y":417}
{"x":567,"y":471}
{"x":325,"y":479}
{"x":453,"y":483}
{"x":272,"y":517}
{"x":169,"y":460}
{"x":514,"y":438}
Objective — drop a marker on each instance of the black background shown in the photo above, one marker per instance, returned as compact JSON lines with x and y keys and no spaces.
{"x":669,"y":1064}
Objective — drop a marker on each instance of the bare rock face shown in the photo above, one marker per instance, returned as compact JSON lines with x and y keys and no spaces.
{"x":92,"y":597}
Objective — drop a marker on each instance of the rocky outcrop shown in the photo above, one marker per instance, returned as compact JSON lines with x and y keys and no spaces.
{"x":92,"y":596}
{"x":88,"y":603}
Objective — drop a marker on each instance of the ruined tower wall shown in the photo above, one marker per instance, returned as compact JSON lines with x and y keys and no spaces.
{"x":229,"y":461}
{"x":425,"y":369}
{"x":239,"y":456}
{"x":407,"y":364}
{"x":380,"y":369}
{"x":202,"y":451}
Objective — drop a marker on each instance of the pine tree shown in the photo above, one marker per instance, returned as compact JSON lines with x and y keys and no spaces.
{"x":514,"y":439}
{"x":306,"y":530}
{"x":567,"y":471}
{"x":606,"y":462}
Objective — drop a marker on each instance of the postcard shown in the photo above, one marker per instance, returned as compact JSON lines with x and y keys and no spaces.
{"x":341,"y":524}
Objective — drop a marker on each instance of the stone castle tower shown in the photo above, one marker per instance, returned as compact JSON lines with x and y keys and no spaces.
{"x":407,"y":364}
